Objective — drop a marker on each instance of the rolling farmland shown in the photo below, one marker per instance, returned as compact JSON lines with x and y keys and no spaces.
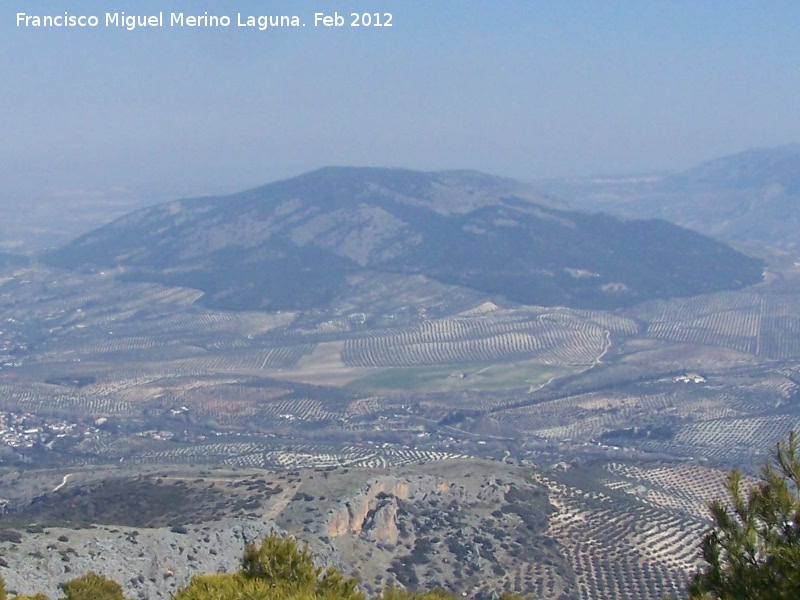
{"x":553,"y":374}
{"x":550,"y":338}
{"x":621,"y":542}
{"x":628,"y":418}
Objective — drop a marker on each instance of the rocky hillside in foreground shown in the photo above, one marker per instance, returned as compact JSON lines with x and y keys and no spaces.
{"x":473,"y":527}
{"x":293,"y":244}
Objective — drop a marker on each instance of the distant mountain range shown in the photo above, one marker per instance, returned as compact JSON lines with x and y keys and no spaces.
{"x":292,"y":244}
{"x":752,"y":196}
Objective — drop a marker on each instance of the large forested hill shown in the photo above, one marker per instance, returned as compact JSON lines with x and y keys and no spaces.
{"x":293,"y":243}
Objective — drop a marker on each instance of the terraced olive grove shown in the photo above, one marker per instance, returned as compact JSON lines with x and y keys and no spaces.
{"x":624,"y":421}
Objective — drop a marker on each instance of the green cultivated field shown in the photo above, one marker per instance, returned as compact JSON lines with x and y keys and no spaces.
{"x":452,"y":378}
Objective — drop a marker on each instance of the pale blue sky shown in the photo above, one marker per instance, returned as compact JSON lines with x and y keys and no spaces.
{"x":529,"y":89}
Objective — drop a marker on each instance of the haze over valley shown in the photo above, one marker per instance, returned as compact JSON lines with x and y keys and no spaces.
{"x":354,"y":324}
{"x":475,"y":299}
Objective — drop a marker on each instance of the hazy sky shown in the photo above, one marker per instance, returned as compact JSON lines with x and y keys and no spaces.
{"x":530,"y":89}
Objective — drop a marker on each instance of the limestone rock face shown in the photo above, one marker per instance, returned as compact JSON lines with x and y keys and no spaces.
{"x":382,"y":527}
{"x":373,"y":511}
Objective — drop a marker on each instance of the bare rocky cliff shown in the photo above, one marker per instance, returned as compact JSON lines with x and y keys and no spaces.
{"x":373,"y":511}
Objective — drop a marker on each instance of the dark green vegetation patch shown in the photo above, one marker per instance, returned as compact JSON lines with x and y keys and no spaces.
{"x":139,"y":502}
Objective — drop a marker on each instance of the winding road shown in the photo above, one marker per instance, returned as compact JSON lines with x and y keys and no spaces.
{"x":63,"y":482}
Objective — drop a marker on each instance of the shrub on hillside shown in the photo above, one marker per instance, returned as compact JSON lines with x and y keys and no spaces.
{"x":275,"y":569}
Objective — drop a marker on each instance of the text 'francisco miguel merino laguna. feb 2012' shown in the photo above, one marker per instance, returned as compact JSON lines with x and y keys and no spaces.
{"x":130,"y":22}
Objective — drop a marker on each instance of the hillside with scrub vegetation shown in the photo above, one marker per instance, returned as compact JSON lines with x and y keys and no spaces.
{"x":751,"y":551}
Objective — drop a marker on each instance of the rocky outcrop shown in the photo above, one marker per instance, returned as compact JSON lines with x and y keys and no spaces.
{"x":435,"y":525}
{"x":373,"y":511}
{"x":382,"y":525}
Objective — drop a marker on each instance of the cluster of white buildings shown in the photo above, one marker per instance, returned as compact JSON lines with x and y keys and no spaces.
{"x":24,"y":430}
